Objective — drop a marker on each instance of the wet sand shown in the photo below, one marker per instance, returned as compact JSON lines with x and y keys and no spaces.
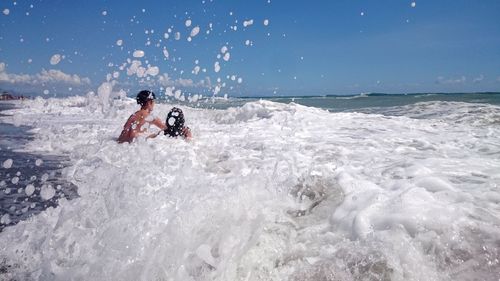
{"x":37,"y":172}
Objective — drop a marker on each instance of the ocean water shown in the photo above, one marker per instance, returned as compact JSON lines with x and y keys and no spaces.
{"x":29,"y":183}
{"x":378,"y":102}
{"x":368,"y":187}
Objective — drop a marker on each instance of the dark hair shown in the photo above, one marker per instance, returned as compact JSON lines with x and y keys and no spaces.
{"x":174,"y":122}
{"x":144,"y":96}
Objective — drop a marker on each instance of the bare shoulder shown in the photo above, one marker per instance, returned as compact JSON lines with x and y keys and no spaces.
{"x":131,"y":119}
{"x":141,"y":114}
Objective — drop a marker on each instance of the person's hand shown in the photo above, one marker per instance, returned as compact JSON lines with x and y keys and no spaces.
{"x":187,"y":133}
{"x":152,"y":136}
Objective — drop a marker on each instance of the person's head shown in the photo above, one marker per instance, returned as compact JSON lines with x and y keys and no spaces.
{"x":146,"y":99}
{"x":175,"y":122}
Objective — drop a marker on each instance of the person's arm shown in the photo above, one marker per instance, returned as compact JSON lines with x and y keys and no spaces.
{"x":187,"y":133}
{"x":152,"y":136}
{"x":158,"y":123}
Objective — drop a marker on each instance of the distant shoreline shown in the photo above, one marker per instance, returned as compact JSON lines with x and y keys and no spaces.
{"x":5,"y":96}
{"x":14,"y":95}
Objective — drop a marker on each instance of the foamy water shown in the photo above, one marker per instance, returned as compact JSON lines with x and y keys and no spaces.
{"x":266,"y":191}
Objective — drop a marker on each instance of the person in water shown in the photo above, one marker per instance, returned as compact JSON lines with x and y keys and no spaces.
{"x":133,"y":126}
{"x":175,"y":125}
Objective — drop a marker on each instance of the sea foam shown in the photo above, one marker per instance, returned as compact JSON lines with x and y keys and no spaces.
{"x":264,"y":191}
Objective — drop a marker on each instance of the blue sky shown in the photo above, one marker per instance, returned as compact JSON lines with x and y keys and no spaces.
{"x":306,"y":48}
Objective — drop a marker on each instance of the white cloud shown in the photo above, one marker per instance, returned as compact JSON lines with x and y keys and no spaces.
{"x":478,"y":79}
{"x":166,"y":81}
{"x":185,"y":82}
{"x":498,"y":79}
{"x":55,"y":76}
{"x":442,"y":80}
{"x":51,"y":76}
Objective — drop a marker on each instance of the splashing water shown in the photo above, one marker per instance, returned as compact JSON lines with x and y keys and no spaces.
{"x":265,"y":191}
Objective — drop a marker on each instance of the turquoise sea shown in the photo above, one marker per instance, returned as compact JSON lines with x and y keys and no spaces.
{"x":369,"y":103}
{"x":362,"y":102}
